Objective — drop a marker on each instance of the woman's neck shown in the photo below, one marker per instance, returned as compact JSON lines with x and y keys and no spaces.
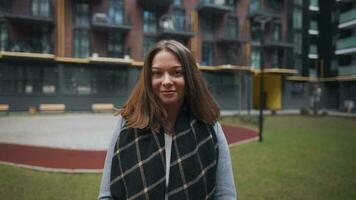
{"x":172,"y":114}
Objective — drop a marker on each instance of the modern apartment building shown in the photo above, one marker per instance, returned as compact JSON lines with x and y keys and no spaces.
{"x":80,"y":52}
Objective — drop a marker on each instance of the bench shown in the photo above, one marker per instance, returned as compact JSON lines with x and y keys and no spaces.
{"x":102,"y":107}
{"x":52,"y":108}
{"x":5,"y":108}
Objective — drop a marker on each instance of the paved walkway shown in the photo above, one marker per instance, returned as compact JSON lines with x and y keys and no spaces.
{"x":70,"y":142}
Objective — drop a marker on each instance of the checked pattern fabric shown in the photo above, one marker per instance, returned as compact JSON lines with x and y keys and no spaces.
{"x":138,"y":167}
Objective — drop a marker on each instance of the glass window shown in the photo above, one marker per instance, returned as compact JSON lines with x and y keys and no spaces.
{"x":207,"y":53}
{"x":115,"y":45}
{"x":297,"y":19}
{"x":178,"y":2}
{"x":111,"y":81}
{"x":256,"y":32}
{"x":254,"y":5}
{"x":81,"y":44}
{"x":298,"y":2}
{"x":277,"y":32}
{"x":81,"y":14}
{"x":277,"y":58}
{"x":231,"y":4}
{"x":7,"y":79}
{"x":77,"y":80}
{"x":40,"y":40}
{"x":298,"y":43}
{"x":148,"y":42}
{"x":116,"y":11}
{"x":178,"y":17}
{"x":3,"y":37}
{"x":207,"y":28}
{"x":149,"y":22}
{"x":256,"y":58}
{"x":40,"y":8}
{"x":232,"y":26}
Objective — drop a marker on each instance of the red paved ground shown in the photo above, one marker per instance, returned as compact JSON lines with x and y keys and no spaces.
{"x":82,"y":159}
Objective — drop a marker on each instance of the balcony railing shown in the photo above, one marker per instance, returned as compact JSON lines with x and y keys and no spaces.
{"x":175,"y":26}
{"x":256,"y":9}
{"x":280,"y":43}
{"x":345,"y":43}
{"x":214,"y":7}
{"x":30,"y":12}
{"x":104,"y":22}
{"x":20,"y":46}
{"x":347,"y":70}
{"x":348,"y":16}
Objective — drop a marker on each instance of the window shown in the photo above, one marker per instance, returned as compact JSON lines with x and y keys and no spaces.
{"x":148,"y":42}
{"x":110,"y":82}
{"x":116,"y":11}
{"x":277,"y":58}
{"x":3,"y":37}
{"x":231,"y":4}
{"x":297,"y":19}
{"x":81,"y":44}
{"x":277,"y":32}
{"x":115,"y":45}
{"x":178,"y":17}
{"x":254,"y":5}
{"x":207,"y":28}
{"x":40,"y":40}
{"x":297,"y":89}
{"x":256,"y":32}
{"x":232,"y":26}
{"x":149,"y":22}
{"x":298,"y":2}
{"x":256,"y":58}
{"x":77,"y":80}
{"x":178,"y":2}
{"x":297,"y":43}
{"x":207,"y":53}
{"x":40,"y":8}
{"x":81,"y":14}
{"x":7,"y":79}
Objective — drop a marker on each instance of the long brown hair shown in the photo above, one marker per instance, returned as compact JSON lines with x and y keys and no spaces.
{"x":143,"y":108}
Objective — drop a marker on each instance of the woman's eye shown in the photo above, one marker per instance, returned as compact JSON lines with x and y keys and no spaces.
{"x":156,"y":73}
{"x":178,"y":72}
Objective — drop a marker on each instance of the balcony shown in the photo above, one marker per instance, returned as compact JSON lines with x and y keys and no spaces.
{"x":347,"y":70}
{"x":104,"y":22}
{"x":278,"y":43}
{"x":313,"y":28}
{"x":26,"y":47}
{"x":313,"y":52}
{"x":34,"y":14}
{"x":346,"y":46}
{"x":156,"y":5}
{"x":215,"y":7}
{"x":347,"y":19}
{"x":257,"y":10}
{"x":314,"y":5}
{"x":175,"y":27}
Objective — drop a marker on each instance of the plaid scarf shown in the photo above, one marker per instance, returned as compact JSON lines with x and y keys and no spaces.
{"x":138,"y":168}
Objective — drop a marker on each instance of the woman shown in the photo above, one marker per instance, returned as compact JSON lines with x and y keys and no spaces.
{"x":168,"y":143}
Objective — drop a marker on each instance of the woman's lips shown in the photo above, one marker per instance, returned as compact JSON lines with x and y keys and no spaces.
{"x":168,"y":93}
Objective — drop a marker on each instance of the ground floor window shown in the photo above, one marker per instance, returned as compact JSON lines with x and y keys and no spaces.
{"x":81,"y":80}
{"x":28,"y":79}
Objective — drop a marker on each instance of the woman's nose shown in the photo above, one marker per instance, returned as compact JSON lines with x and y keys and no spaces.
{"x":167,"y":79}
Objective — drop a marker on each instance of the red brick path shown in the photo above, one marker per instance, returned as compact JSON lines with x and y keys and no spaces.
{"x":55,"y":158}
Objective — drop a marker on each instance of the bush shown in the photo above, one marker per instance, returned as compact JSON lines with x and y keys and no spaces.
{"x":305,"y":111}
{"x":253,"y":119}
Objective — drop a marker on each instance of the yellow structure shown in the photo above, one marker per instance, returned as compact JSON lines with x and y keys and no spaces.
{"x":273,"y":91}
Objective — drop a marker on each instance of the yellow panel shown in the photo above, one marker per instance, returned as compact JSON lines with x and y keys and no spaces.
{"x":273,"y":89}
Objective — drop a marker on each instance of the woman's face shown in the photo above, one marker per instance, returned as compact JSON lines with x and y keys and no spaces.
{"x":168,"y":79}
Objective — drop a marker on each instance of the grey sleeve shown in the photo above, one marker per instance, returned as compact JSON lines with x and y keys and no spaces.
{"x":104,"y":192}
{"x":225,"y":186}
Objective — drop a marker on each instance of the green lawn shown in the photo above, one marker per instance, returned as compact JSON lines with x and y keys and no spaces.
{"x":300,"y":158}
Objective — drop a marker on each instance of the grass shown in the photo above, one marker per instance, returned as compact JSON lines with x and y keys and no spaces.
{"x":300,"y":158}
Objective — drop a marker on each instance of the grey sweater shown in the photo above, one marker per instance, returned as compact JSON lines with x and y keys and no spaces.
{"x":225,"y":186}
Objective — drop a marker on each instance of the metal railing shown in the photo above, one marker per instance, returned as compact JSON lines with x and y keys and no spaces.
{"x":174,"y":23}
{"x":115,"y":19}
{"x":348,"y":16}
{"x":346,"y":43}
{"x":21,"y":46}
